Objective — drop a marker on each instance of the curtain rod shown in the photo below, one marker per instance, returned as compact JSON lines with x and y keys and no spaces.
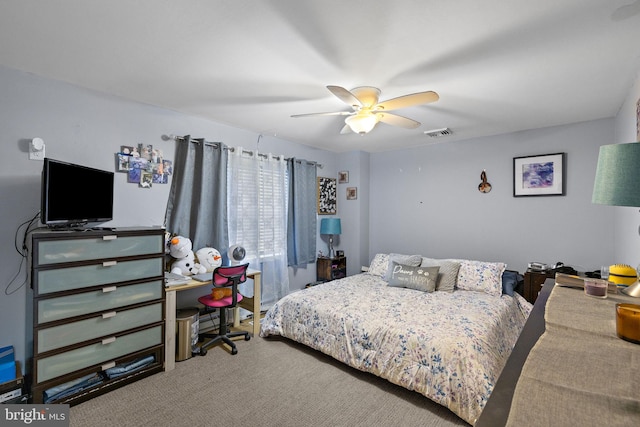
{"x":232,"y":149}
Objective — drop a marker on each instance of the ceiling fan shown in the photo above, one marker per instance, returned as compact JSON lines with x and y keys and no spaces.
{"x":368,"y":111}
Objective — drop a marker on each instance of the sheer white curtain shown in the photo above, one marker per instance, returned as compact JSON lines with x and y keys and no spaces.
{"x":257,"y":216}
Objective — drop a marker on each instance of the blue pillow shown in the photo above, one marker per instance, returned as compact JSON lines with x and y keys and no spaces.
{"x":510,"y":281}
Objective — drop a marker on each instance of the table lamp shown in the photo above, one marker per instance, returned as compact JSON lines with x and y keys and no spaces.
{"x":617,"y":183}
{"x":330,"y":226}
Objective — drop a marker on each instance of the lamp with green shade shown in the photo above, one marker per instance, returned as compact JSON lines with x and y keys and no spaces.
{"x":617,"y":183}
{"x":330,"y":226}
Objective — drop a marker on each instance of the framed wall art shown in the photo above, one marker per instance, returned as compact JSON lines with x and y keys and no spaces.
{"x":542,"y":175}
{"x":327,"y":196}
{"x":343,"y":177}
{"x":352,"y":193}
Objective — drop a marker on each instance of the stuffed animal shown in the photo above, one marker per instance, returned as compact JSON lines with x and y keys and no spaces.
{"x":185,"y":263}
{"x":167,"y":241}
{"x":219,"y":293}
{"x":210,"y":258}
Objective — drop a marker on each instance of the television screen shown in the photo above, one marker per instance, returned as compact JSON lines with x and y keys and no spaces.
{"x":75,"y":195}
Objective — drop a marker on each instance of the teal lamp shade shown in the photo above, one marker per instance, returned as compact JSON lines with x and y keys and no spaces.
{"x":617,"y":180}
{"x":330,"y":226}
{"x":618,"y":183}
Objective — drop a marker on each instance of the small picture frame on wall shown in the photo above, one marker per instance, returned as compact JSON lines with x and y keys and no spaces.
{"x":327,"y":196}
{"x":352,"y":193}
{"x":343,"y":177}
{"x":541,"y":175}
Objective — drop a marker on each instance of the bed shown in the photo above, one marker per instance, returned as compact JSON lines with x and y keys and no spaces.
{"x":446,"y":337}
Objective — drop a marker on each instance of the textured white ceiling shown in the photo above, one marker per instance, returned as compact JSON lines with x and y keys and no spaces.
{"x":499,"y":66}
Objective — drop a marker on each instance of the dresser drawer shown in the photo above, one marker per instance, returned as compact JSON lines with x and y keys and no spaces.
{"x":57,"y":251}
{"x":108,"y":323}
{"x":109,"y":298}
{"x":71,"y":278}
{"x":100,"y":353}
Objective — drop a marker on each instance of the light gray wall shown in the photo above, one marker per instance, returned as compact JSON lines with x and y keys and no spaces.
{"x":422,"y":200}
{"x":354,"y":214}
{"x":426,"y":200}
{"x":86,"y":127}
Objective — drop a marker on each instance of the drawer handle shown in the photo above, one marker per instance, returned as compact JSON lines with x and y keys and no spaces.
{"x":108,"y":340}
{"x":108,"y":365}
{"x":110,"y":237}
{"x":109,"y":263}
{"x":109,"y":289}
{"x":109,"y":315}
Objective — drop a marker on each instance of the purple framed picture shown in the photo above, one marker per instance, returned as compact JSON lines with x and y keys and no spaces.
{"x":541,"y":175}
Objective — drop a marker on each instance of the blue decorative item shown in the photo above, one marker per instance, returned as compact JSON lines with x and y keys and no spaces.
{"x":331,"y":226}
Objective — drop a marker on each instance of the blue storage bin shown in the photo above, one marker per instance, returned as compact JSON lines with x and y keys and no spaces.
{"x":7,"y":364}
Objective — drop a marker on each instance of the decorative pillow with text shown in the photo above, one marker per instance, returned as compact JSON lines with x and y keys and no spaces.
{"x":418,"y":278}
{"x":409,"y":260}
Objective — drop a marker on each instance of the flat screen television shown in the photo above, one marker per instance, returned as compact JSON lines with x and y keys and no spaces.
{"x":75,"y":195}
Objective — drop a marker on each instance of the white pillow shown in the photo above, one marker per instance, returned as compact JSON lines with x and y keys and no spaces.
{"x":481,"y":276}
{"x":379,"y":265}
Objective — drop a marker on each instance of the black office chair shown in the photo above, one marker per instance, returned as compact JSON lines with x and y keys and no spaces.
{"x":224,"y":295}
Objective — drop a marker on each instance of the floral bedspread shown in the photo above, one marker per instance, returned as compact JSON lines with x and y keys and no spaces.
{"x":450,"y":347}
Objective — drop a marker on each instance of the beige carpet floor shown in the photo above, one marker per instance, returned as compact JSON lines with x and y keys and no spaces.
{"x":270,"y":382}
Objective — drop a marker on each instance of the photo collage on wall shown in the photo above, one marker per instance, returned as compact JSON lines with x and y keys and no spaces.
{"x":144,"y":165}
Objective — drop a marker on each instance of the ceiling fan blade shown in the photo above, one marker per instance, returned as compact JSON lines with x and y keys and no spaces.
{"x":345,"y":96}
{"x":408,"y":101}
{"x":346,"y":129}
{"x":396,"y":120}
{"x":336,"y":113}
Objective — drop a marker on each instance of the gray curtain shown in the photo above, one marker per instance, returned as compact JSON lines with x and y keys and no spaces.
{"x":197,"y":206}
{"x":301,"y":227}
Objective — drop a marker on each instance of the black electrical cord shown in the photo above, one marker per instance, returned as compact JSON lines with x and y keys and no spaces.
{"x":23,"y":251}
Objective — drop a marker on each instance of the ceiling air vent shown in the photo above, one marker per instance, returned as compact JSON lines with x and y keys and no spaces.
{"x":436,"y":133}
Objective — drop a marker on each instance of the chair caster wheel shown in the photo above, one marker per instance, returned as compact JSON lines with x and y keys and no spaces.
{"x":247,"y":337}
{"x":234,"y":351}
{"x":203,"y":351}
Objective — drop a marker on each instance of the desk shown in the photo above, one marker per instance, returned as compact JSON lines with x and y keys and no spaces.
{"x":251,"y":304}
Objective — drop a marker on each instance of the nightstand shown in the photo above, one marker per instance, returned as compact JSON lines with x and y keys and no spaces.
{"x":331,"y":268}
{"x":533,"y":281}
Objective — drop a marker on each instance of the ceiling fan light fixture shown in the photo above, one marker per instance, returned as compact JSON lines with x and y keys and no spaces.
{"x":362,"y":123}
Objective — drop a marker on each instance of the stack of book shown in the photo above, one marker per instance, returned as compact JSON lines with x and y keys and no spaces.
{"x":572,"y":281}
{"x":174,"y":279}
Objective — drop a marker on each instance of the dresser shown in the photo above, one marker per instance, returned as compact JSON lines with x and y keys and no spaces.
{"x":97,"y":311}
{"x":328,"y":269}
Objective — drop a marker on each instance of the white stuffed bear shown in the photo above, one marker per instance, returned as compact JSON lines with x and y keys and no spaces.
{"x":210,"y":258}
{"x":185,"y":263}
